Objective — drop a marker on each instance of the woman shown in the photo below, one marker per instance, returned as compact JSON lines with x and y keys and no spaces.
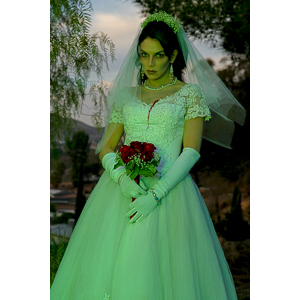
{"x":163,"y":245}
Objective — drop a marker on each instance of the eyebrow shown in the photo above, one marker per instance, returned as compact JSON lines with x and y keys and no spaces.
{"x":154,"y":53}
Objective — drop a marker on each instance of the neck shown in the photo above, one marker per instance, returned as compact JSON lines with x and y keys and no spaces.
{"x":158,"y":83}
{"x":160,"y":87}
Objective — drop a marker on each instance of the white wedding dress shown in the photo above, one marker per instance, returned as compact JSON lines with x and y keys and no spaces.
{"x":174,"y":253}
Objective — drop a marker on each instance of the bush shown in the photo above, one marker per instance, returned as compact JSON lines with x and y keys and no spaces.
{"x":52,"y":207}
{"x":63,"y":219}
{"x":56,"y":254}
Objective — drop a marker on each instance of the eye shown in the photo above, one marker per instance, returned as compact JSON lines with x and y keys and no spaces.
{"x":160,"y":55}
{"x":143,"y":54}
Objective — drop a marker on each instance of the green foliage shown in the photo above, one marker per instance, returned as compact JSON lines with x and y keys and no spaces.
{"x":224,"y":23}
{"x":77,"y":148}
{"x":52,"y":207}
{"x":74,"y":54}
{"x":135,"y":172}
{"x":150,"y":171}
{"x":133,"y":169}
{"x":57,"y":251}
{"x":92,"y":169}
{"x":232,"y":163}
{"x":56,"y":173}
{"x":63,"y":219}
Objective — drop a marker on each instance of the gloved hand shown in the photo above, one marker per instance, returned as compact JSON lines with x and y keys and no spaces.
{"x":143,"y":205}
{"x":128,"y":186}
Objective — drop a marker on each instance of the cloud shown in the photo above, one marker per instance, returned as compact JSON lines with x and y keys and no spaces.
{"x":121,"y":28}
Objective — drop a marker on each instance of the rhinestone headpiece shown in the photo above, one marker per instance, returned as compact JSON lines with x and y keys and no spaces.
{"x":164,"y":17}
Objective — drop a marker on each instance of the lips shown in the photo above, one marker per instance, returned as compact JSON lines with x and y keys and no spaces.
{"x":151,"y":71}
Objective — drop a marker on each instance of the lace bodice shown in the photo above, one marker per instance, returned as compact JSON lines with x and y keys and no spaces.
{"x":162,"y":123}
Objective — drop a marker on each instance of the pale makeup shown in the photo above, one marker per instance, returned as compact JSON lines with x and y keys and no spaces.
{"x":153,"y":58}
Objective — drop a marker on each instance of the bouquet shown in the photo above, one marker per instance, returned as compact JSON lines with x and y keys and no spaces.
{"x":138,"y":159}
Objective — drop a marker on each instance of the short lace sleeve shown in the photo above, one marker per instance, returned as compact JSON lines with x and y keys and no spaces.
{"x":196,"y":105}
{"x":116,"y":115}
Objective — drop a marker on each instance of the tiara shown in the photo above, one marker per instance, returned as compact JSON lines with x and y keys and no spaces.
{"x":164,"y":17}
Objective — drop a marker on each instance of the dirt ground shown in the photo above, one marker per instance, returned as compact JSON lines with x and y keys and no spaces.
{"x":237,"y":254}
{"x":217,"y":193}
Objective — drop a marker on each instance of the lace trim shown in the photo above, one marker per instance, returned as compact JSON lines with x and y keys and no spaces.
{"x":116,"y":115}
{"x":198,"y":111}
{"x":164,"y":126}
{"x":196,"y":105}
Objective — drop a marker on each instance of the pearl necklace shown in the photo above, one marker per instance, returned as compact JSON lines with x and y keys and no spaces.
{"x":161,"y":87}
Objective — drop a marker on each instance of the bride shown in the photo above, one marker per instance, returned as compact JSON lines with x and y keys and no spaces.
{"x":162,"y":245}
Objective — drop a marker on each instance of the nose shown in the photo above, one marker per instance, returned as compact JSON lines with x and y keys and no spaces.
{"x":151,"y":61}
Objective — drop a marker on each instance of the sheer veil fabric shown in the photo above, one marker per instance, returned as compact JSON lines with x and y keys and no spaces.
{"x":225,"y":109}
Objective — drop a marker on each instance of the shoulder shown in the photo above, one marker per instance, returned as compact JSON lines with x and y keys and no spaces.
{"x":192,"y":90}
{"x":195,"y":88}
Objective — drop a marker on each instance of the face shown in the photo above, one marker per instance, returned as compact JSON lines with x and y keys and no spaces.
{"x":154,"y":60}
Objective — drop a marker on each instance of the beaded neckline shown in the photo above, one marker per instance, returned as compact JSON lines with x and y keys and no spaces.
{"x":161,"y":87}
{"x":162,"y":99}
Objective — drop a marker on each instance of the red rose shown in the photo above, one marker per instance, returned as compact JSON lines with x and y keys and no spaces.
{"x":149,"y":147}
{"x":137,"y":146}
{"x":126,"y":152}
{"x":146,"y":156}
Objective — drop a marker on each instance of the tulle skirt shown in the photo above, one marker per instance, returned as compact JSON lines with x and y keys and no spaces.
{"x":173,"y":254}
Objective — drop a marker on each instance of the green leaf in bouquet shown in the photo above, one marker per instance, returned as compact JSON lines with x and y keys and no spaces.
{"x":156,"y":162}
{"x":119,"y":164}
{"x":130,"y":164}
{"x":147,"y":173}
{"x":152,"y":168}
{"x":135,"y":172}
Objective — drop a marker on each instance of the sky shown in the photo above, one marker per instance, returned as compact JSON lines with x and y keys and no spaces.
{"x":120,"y":20}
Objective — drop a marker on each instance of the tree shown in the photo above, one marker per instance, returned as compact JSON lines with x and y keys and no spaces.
{"x":222,"y":23}
{"x":77,"y":148}
{"x":232,"y":163}
{"x":92,"y":169}
{"x":234,"y":227}
{"x":74,"y":54}
{"x":57,"y":173}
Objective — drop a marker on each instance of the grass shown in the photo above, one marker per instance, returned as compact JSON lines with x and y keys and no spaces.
{"x":58,"y":247}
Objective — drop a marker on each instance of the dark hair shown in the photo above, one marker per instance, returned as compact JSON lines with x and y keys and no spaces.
{"x":168,"y":40}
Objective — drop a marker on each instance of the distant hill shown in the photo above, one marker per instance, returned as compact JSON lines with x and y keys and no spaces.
{"x":94,"y":135}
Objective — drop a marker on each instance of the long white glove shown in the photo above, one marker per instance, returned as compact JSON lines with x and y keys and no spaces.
{"x":143,"y":205}
{"x":128,"y":186}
